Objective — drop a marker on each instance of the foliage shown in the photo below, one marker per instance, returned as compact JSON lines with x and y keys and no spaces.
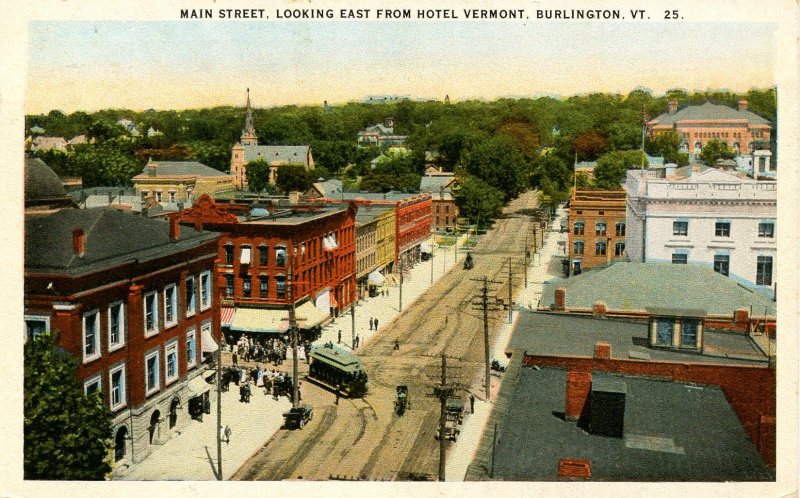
{"x":293,"y":178}
{"x":499,"y":162}
{"x":257,"y":173}
{"x":552,"y":171}
{"x":479,"y":201}
{"x":612,"y":167}
{"x":667,"y":144}
{"x":67,"y":434}
{"x":589,"y":145}
{"x":716,"y":149}
{"x":111,"y":163}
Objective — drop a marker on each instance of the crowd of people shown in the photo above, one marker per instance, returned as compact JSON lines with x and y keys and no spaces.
{"x":266,"y":349}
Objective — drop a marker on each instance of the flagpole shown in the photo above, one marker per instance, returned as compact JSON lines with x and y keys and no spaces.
{"x":644,"y":131}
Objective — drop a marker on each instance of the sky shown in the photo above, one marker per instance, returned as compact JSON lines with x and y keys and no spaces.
{"x":91,"y":65}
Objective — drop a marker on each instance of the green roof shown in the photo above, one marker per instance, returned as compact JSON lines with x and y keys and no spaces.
{"x":338,"y":358}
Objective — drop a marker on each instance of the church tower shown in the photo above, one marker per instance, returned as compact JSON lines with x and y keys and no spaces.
{"x":249,"y":132}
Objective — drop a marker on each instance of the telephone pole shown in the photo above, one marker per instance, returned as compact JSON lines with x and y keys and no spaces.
{"x":486,"y":306}
{"x":353,"y":321}
{"x":400,"y":266}
{"x":293,"y":332}
{"x":510,"y":281}
{"x":219,"y":411}
{"x":444,"y":391}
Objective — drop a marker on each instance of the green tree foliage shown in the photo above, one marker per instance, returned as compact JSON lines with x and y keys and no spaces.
{"x":479,"y":201}
{"x":667,"y":145}
{"x":589,"y":145}
{"x":111,"y":163}
{"x":612,"y":167}
{"x":551,"y":171}
{"x":257,"y":173}
{"x":67,"y":435}
{"x":716,"y":149}
{"x":499,"y":162}
{"x":293,"y":178}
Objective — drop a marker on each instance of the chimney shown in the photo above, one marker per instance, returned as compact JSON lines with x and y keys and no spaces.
{"x":561,"y":298}
{"x":151,"y":168}
{"x":579,"y":385}
{"x":742,"y":105}
{"x":174,"y":228}
{"x":673,"y":106}
{"x":78,"y":242}
{"x":573,"y":468}
{"x":742,"y":315}
{"x":602,"y":350}
{"x":294,"y":197}
{"x":599,"y":308}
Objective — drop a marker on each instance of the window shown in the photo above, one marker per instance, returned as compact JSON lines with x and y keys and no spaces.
{"x":263,"y":255}
{"x":280,"y":256}
{"x":170,"y":305}
{"x":172,"y":196}
{"x":680,"y":228}
{"x":764,"y":270}
{"x":263,"y":285}
{"x":578,"y":230}
{"x":664,"y":331}
{"x":191,"y":348}
{"x":600,"y":228}
{"x":150,"y":314}
{"x":228,"y":254}
{"x":689,"y":333}
{"x":244,"y":255}
{"x":620,"y":229}
{"x":158,"y":196}
{"x":36,"y":325}
{"x":576,"y":267}
{"x":619,"y":249}
{"x":116,"y":379}
{"x":281,"y":286}
{"x":116,"y":325}
{"x":680,"y":259}
{"x":722,"y":229}
{"x":246,"y":286}
{"x":722,"y":264}
{"x":171,"y":362}
{"x":191,"y":297}
{"x":228,"y":284}
{"x":205,"y":290}
{"x":95,"y":384}
{"x":766,"y":229}
{"x":151,"y":380}
{"x":91,"y":336}
{"x":600,"y":249}
{"x":577,"y":247}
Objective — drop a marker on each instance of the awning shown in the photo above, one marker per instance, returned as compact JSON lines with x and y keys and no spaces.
{"x":197,"y":386}
{"x":323,"y":300}
{"x":425,"y":247}
{"x":309,"y":316}
{"x":209,"y":344}
{"x":261,"y":321}
{"x":334,"y":304}
{"x":375,"y":278}
{"x":227,"y":316}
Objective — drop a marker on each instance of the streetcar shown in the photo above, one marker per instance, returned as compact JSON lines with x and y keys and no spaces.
{"x":338,"y":369}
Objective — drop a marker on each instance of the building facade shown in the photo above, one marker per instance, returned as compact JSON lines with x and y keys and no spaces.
{"x":133,"y":299}
{"x":174,"y":182}
{"x":382,"y":135}
{"x":441,"y":185}
{"x":596,"y":229}
{"x":374,"y":242}
{"x":711,"y":217}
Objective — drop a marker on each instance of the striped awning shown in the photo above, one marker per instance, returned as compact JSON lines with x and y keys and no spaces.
{"x":227,"y":316}
{"x":209,"y":344}
{"x":260,"y":321}
{"x":309,"y":315}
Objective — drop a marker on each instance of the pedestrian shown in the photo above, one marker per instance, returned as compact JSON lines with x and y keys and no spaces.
{"x":445,"y":320}
{"x":376,"y":324}
{"x":299,"y":391}
{"x":235,"y":358}
{"x":339,"y":338}
{"x":370,"y":323}
{"x":472,"y":403}
{"x":358,"y":341}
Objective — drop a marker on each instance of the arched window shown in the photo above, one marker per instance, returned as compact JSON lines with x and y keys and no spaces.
{"x":600,"y":249}
{"x":600,"y":228}
{"x":620,"y":229}
{"x":578,"y":228}
{"x":577,"y":247}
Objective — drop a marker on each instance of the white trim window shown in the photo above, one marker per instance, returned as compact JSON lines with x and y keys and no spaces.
{"x":116,"y":325}
{"x":171,"y":362}
{"x":158,"y":196}
{"x":93,"y":384}
{"x":191,"y":296}
{"x":152,"y":381}
{"x":191,"y":348}
{"x":91,"y":336}
{"x":205,"y":290}
{"x":170,"y":305}
{"x":36,"y":325}
{"x":117,"y":391}
{"x":150,"y":302}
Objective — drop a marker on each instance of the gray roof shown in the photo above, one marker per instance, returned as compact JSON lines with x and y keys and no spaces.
{"x":41,"y":182}
{"x":672,"y":432}
{"x":328,"y":187}
{"x":289,"y":216}
{"x":434,"y":184}
{"x":375,"y":196}
{"x":564,"y":334}
{"x":180,"y":168}
{"x":709,"y":111}
{"x":366,"y":214}
{"x":277,"y":153}
{"x":112,"y":238}
{"x":637,"y":286}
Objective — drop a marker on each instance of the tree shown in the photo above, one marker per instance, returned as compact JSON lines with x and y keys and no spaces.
{"x":550,"y":168}
{"x":716,"y":149}
{"x":107,"y":164}
{"x":257,"y":172}
{"x":477,"y":200}
{"x":667,"y":144}
{"x":612,"y":167}
{"x":67,"y":434}
{"x":589,"y":145}
{"x":499,"y":162}
{"x":293,"y":178}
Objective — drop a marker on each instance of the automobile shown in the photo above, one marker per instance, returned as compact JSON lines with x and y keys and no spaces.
{"x":468,"y":263}
{"x":298,"y":417}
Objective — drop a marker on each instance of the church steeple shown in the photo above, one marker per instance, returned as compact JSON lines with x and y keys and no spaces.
{"x":249,"y":132}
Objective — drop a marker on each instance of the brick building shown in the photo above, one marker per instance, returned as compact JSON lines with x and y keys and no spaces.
{"x":133,"y":300}
{"x":261,"y":248}
{"x":596,"y":234}
{"x":374,"y":244}
{"x":441,"y":185}
{"x":173,"y":182}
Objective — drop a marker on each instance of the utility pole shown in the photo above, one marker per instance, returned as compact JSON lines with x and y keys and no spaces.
{"x":510,"y":280}
{"x":486,"y":306}
{"x":527,"y":256}
{"x":219,"y":412}
{"x":443,"y":394}
{"x":431,"y":264}
{"x":353,"y":323}
{"x":401,"y":286}
{"x":293,"y":332}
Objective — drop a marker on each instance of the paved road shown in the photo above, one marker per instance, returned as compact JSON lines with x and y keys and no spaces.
{"x":364,"y":437}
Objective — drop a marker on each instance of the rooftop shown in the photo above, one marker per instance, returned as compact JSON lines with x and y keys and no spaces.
{"x":294,"y":215}
{"x":434,"y":183}
{"x":709,"y":112}
{"x":673,"y":432}
{"x":280,"y":154}
{"x":638,"y":286}
{"x":375,"y":196}
{"x":178,"y":168}
{"x":366,"y":214}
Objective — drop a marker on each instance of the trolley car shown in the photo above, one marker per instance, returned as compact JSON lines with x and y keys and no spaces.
{"x":338,"y":368}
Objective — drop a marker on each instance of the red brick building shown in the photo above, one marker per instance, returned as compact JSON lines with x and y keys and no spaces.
{"x":261,"y":248}
{"x":596,"y":228}
{"x":133,"y":300}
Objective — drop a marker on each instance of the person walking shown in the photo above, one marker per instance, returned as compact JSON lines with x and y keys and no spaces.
{"x":376,"y":324}
{"x":358,"y":341}
{"x":472,"y":403}
{"x":339,"y":337}
{"x":235,"y":358}
{"x":370,"y":323}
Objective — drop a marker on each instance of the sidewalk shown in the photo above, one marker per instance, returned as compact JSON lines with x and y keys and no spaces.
{"x":191,"y":454}
{"x":462,"y":452}
{"x":416,"y":282}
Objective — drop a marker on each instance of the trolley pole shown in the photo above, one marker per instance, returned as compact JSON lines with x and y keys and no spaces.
{"x":443,"y":395}
{"x":401,"y":286}
{"x":431,"y":264}
{"x":527,"y":256}
{"x":219,"y":412}
{"x":485,"y":302}
{"x":353,"y":324}
{"x":293,"y":331}
{"x":510,"y":279}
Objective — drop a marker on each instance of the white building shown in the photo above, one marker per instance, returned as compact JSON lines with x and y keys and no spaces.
{"x":704,"y":216}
